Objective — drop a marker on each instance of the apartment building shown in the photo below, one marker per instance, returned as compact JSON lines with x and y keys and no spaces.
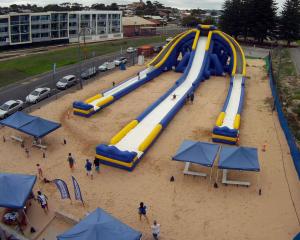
{"x":27,"y":28}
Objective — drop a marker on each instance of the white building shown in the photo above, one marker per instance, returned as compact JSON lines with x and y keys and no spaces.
{"x":26,"y":28}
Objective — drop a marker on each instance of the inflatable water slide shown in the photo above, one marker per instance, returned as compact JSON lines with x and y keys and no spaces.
{"x":228,"y":122}
{"x":212,"y":53}
{"x":180,"y":45}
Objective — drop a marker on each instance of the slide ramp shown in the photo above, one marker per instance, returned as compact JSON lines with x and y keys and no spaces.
{"x":162,"y":62}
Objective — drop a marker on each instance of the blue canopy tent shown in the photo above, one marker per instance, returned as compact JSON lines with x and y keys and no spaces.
{"x":31,"y":125}
{"x":297,"y":237}
{"x":17,"y":120}
{"x":238,"y":158}
{"x":100,"y":225}
{"x":15,"y":189}
{"x":39,"y":127}
{"x":201,"y":153}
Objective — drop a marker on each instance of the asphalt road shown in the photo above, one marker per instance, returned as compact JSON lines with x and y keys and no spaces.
{"x":295,"y":54}
{"x":21,"y":89}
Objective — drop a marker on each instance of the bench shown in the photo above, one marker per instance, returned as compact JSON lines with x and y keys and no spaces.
{"x":186,"y":171}
{"x":18,"y":139}
{"x":35,"y":144}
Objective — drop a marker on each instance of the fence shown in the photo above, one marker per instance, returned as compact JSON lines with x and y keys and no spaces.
{"x":295,"y":153}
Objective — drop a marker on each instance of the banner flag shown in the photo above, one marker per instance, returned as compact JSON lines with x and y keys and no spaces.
{"x":77,"y":191}
{"x":63,"y":188}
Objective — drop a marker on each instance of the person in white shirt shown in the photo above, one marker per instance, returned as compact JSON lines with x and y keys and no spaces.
{"x":42,"y":198}
{"x":155,"y":230}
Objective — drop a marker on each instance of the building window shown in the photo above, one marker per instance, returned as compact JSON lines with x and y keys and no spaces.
{"x":3,"y":29}
{"x":44,"y":35}
{"x":35,"y":18}
{"x":15,"y":29}
{"x":73,"y":32}
{"x":45,"y":18}
{"x":3,"y":20}
{"x":15,"y":38}
{"x":24,"y":37}
{"x":36,"y":35}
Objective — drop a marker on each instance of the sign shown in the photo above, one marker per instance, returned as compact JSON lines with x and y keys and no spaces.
{"x":63,"y":188}
{"x":77,"y":191}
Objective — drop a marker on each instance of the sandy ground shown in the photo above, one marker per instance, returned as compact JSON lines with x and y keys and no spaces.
{"x":189,"y":208}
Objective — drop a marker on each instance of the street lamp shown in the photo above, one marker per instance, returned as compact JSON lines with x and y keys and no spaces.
{"x":83,"y":30}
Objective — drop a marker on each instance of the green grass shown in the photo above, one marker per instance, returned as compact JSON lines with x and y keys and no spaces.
{"x":14,"y":70}
{"x":298,"y":42}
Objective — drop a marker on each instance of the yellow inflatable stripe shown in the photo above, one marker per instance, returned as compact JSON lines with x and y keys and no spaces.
{"x":173,"y":46}
{"x":83,"y":111}
{"x":243,"y":54}
{"x":123,"y":132}
{"x":149,"y":139}
{"x":220,"y":119}
{"x":105,"y":100}
{"x":231,"y":139}
{"x":196,"y":40}
{"x":161,"y":52}
{"x":205,"y":26}
{"x":233,"y":50}
{"x":237,"y":121}
{"x":208,"y":41}
{"x":91,"y":99}
{"x":125,"y":164}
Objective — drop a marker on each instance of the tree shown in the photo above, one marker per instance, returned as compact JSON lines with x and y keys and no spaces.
{"x":112,"y":6}
{"x":190,"y":21}
{"x":262,"y":19}
{"x":289,"y":23}
{"x":99,"y":6}
{"x":231,"y":17}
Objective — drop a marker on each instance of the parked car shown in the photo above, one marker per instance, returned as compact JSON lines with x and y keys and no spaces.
{"x":120,"y":60}
{"x":106,"y":66}
{"x":10,"y":107}
{"x":66,"y":82}
{"x":38,"y":94}
{"x":157,"y":48}
{"x":88,"y":73}
{"x":130,"y":50}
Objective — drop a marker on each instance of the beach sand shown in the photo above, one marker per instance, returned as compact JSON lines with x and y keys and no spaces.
{"x":189,"y":208}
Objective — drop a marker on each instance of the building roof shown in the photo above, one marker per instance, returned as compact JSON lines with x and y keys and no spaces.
{"x":136,"y":21}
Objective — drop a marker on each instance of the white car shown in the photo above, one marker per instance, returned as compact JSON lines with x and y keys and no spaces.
{"x":120,"y":60}
{"x":169,"y":39}
{"x":106,"y":66}
{"x":66,"y":82}
{"x":38,"y":94}
{"x":10,"y":107}
{"x":130,"y":50}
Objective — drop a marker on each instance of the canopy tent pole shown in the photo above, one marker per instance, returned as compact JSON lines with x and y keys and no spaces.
{"x":216,"y":184}
{"x":210,"y":176}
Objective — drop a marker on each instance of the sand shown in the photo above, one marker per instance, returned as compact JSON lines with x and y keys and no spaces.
{"x":189,"y":208}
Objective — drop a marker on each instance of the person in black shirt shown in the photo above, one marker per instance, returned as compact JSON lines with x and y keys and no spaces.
{"x":97,"y":165}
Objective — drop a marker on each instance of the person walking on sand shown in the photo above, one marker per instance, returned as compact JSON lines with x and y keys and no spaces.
{"x":40,"y":171}
{"x":88,"y":167}
{"x":138,"y":75}
{"x":42,"y":198}
{"x":71,"y":161}
{"x":155,"y":230}
{"x":192,"y":96}
{"x":97,"y":165}
{"x":143,"y":211}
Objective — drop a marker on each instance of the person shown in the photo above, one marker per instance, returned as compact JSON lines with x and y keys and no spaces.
{"x":97,"y":165}
{"x":88,"y":167}
{"x":192,"y":97}
{"x":155,"y":230}
{"x":174,"y":96}
{"x":138,"y":75}
{"x":42,"y":198}
{"x":40,"y":171}
{"x":113,"y":83}
{"x":27,"y":152}
{"x":143,"y":211}
{"x":187,"y":98}
{"x":71,"y":161}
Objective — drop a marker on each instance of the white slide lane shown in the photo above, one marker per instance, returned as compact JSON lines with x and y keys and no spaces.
{"x":233,"y":103}
{"x":136,"y":136}
{"x":120,"y":87}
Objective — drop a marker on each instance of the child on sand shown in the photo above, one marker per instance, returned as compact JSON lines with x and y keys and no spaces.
{"x":71,"y":161}
{"x":143,"y":211}
{"x":42,"y":198}
{"x":155,"y":230}
{"x":40,"y":171}
{"x":88,"y":167}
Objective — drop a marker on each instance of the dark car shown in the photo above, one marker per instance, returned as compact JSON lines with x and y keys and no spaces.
{"x":88,"y":73}
{"x":157,"y":48}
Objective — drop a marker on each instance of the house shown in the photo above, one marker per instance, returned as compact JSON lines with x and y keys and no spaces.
{"x":138,"y":26}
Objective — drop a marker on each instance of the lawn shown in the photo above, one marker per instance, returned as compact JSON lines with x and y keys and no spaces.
{"x":298,"y":42}
{"x":14,"y":70}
